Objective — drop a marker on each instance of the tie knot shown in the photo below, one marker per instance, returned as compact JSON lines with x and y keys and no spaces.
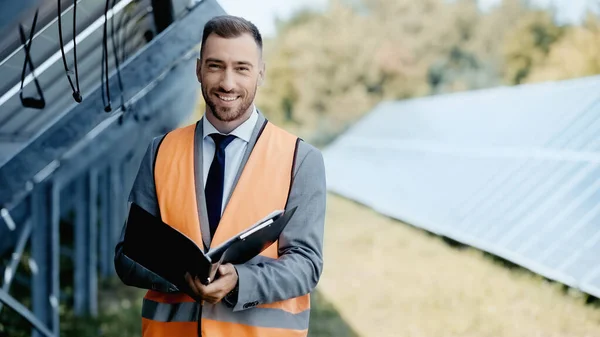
{"x":221,"y":141}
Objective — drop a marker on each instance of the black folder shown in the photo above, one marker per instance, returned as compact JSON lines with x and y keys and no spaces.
{"x":170,"y":254}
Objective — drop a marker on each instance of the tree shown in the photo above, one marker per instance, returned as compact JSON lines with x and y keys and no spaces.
{"x":325,"y":70}
{"x":528,"y":44}
{"x":576,"y":54}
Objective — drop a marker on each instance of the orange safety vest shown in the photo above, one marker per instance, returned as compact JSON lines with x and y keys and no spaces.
{"x":263,"y":187}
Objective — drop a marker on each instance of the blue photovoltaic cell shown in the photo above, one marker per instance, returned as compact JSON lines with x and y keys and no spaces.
{"x":520,"y":180}
{"x":546,"y":208}
{"x":581,"y":235}
{"x":579,"y":205}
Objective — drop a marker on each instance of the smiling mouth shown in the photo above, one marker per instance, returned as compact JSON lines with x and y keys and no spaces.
{"x":227,"y":98}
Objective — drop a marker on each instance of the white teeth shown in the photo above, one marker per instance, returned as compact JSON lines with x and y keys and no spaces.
{"x":229,"y":99}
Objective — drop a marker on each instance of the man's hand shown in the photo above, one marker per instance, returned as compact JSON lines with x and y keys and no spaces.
{"x":215,"y":291}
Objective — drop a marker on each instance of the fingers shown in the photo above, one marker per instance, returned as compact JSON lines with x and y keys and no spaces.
{"x":192,"y":284}
{"x":212,"y":297}
{"x":212,"y":288}
{"x":215,"y":291}
{"x":225,"y":269}
{"x":200,"y":290}
{"x":208,"y":293}
{"x":196,"y":286}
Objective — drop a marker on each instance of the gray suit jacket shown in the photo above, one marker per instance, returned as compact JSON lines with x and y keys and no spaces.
{"x":297,"y":270}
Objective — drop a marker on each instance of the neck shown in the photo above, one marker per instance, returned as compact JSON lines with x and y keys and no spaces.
{"x":226,"y":127}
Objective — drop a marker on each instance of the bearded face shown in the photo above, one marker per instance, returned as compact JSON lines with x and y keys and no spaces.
{"x":228,"y":105}
{"x":229,"y":71}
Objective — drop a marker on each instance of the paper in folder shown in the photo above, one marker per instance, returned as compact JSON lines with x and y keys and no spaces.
{"x":170,"y":254}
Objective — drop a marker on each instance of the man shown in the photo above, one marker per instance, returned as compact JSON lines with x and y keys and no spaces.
{"x":215,"y":178}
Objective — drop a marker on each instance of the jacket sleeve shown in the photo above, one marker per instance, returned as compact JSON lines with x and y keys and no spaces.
{"x":142,"y":193}
{"x":297,"y":270}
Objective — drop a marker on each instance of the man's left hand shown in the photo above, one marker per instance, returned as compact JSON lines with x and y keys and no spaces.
{"x":214,"y":292}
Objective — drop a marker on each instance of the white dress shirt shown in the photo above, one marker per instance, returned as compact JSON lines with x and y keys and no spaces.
{"x":234,"y":152}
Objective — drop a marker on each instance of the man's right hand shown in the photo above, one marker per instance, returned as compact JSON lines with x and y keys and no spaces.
{"x":215,"y":291}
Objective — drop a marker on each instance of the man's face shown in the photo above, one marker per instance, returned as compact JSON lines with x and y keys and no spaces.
{"x":229,"y":72}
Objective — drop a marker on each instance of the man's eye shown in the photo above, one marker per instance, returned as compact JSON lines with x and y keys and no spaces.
{"x":243,"y":69}
{"x":213,"y":66}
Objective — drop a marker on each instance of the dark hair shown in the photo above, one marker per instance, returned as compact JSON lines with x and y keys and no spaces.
{"x":229,"y":26}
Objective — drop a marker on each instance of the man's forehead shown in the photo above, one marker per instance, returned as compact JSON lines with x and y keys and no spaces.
{"x":240,"y":48}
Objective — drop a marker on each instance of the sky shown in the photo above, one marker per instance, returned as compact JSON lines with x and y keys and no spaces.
{"x":263,"y":12}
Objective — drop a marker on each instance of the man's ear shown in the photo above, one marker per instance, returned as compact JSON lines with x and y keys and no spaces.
{"x":261,"y":74}
{"x":198,"y":68}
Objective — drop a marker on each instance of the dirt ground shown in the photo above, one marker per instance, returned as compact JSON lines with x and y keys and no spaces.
{"x":385,"y":278}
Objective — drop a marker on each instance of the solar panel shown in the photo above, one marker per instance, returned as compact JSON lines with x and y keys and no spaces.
{"x":514,"y":171}
{"x":18,"y":124}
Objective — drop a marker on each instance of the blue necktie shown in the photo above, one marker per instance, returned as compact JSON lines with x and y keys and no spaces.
{"x":214,"y":182}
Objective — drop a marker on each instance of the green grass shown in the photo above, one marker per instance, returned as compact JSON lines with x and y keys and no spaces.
{"x":385,"y":278}
{"x":119,"y":315}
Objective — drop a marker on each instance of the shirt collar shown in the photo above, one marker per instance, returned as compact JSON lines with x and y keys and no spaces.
{"x":244,"y":131}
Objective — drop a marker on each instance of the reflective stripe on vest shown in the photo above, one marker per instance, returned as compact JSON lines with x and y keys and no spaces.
{"x":188,"y":312}
{"x":262,"y":187}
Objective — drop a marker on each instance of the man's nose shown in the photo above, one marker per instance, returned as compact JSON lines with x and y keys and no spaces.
{"x":227,"y":81}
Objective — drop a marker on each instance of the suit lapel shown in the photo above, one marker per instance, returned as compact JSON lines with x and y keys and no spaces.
{"x":199,"y":177}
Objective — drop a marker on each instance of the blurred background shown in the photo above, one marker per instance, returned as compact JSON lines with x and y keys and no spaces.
{"x":461,"y":140}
